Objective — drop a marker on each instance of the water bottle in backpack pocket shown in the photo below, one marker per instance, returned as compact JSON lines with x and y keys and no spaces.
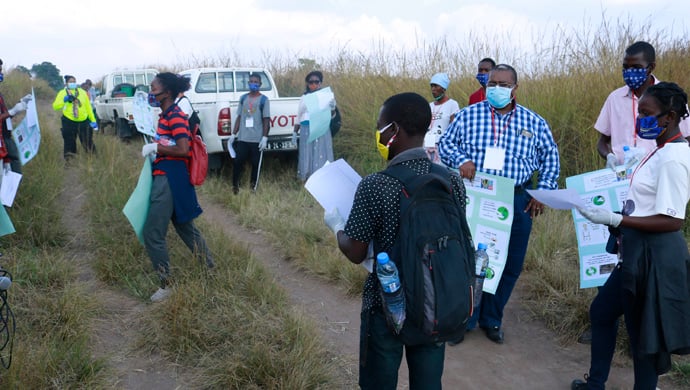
{"x":391,"y":291}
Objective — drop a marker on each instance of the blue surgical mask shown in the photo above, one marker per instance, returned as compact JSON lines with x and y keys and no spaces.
{"x":254,"y":87}
{"x":2,"y":77}
{"x":483,"y":78}
{"x":648,"y":127}
{"x":72,"y":85}
{"x":498,"y":97}
{"x":635,"y":77}
{"x":153,"y":102}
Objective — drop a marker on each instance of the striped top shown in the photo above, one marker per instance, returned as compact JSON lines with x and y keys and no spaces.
{"x":172,"y":124}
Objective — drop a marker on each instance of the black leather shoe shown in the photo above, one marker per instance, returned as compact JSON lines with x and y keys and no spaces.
{"x":495,"y":334}
{"x":579,"y":384}
{"x":457,"y":341}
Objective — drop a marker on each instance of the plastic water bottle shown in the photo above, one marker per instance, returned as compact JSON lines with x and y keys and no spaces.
{"x":629,"y":160}
{"x":482,"y":263}
{"x":393,"y":294}
{"x":164,"y":140}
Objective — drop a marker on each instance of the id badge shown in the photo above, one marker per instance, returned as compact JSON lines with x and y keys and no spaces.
{"x":494,"y":158}
{"x":249,"y":122}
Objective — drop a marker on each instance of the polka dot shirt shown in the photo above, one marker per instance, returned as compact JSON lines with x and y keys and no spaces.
{"x":375,"y":215}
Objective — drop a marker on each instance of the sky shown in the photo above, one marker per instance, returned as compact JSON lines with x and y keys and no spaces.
{"x":91,"y":38}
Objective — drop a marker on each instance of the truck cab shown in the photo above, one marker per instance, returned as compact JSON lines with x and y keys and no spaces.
{"x":114,"y":103}
{"x":215,"y":95}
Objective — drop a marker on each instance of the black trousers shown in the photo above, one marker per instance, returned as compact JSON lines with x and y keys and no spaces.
{"x":246,"y":151}
{"x":70,"y":131}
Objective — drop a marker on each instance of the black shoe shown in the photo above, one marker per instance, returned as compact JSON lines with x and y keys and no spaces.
{"x":579,"y":384}
{"x":235,"y":190}
{"x":585,"y":337}
{"x":495,"y":334}
{"x":457,"y":341}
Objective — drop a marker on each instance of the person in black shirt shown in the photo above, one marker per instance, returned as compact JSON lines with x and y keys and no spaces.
{"x":375,"y":217}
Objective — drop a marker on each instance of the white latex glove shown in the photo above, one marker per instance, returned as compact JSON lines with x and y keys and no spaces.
{"x":6,"y":168}
{"x":19,"y":107}
{"x":294,"y":138}
{"x":263,"y":143}
{"x":611,"y":161}
{"x":601,"y":216}
{"x":334,"y":220}
{"x":26,"y":99}
{"x":232,"y":139}
{"x":151,"y":148}
{"x":332,"y":104}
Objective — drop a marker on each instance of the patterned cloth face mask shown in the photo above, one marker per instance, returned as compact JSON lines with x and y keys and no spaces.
{"x":634,"y":77}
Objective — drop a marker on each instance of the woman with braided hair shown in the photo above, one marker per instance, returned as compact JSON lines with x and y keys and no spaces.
{"x":651,"y":283}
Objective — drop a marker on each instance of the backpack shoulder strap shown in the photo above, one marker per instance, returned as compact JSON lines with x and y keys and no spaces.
{"x":401,"y":173}
{"x":242,"y":98}
{"x":262,"y":103}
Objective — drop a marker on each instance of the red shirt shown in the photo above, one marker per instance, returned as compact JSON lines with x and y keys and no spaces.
{"x":477,"y":96}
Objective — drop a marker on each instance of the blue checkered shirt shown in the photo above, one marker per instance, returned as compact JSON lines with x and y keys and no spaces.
{"x":527,"y":140}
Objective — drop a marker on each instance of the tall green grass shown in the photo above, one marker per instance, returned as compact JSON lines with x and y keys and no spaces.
{"x":53,"y":311}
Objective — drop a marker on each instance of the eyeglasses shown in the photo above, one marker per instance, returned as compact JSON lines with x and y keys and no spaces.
{"x":314,"y":82}
{"x":495,"y":84}
{"x":385,"y":128}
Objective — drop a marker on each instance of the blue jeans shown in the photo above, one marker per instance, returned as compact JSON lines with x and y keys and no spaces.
{"x":490,"y":313}
{"x":380,"y":354}
{"x":610,"y":303}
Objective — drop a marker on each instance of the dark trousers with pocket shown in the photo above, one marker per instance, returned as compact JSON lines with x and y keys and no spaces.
{"x":246,"y":151}
{"x":611,"y":302}
{"x":70,"y":131}
{"x":380,"y":355}
{"x":490,"y":313}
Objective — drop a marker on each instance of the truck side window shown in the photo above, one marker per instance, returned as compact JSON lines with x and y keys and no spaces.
{"x":243,"y":79}
{"x":206,"y":83}
{"x":225,"y":81}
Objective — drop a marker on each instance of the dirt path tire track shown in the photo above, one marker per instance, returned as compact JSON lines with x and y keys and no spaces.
{"x":531,"y":358}
{"x":116,"y":327}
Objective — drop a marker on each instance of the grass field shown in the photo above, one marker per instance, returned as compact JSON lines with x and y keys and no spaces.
{"x":565,"y":83}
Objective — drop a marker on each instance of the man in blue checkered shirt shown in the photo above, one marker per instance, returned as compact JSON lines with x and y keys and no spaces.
{"x":500,"y":137}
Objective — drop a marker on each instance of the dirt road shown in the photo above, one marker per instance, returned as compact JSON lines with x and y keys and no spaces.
{"x":530,"y":358}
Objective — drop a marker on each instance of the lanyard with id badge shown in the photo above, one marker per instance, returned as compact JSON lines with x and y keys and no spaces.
{"x":495,"y":156}
{"x":249,"y":119}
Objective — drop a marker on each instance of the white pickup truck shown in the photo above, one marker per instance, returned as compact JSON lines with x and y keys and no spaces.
{"x":115,"y":101}
{"x":215,"y":94}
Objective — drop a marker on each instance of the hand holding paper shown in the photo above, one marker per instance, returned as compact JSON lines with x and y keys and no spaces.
{"x":334,"y":221}
{"x":601,"y":216}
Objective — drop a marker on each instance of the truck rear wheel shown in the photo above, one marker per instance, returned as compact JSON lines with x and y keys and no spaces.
{"x":124,"y":131}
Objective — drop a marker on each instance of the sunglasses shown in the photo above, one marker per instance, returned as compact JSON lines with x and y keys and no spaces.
{"x":314,"y":81}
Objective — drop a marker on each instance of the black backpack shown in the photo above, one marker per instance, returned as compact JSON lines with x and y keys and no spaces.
{"x":194,"y":121}
{"x":435,"y":257}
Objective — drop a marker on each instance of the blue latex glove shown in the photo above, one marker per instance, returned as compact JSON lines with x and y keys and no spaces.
{"x":69,"y":98}
{"x":94,"y":126}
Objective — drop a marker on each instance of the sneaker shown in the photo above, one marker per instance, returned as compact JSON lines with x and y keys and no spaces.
{"x":161,"y":295}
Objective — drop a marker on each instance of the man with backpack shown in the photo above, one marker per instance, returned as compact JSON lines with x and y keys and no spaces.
{"x":388,"y":212}
{"x":500,"y":137}
{"x":252,"y":124}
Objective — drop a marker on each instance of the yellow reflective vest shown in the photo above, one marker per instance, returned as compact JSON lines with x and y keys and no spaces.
{"x":84,"y":109}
